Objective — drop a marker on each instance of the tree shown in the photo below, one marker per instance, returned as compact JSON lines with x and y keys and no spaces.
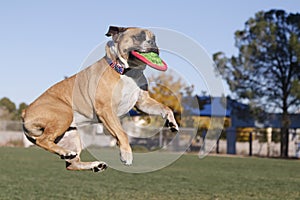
{"x":21,"y":107}
{"x":9,"y":111}
{"x":167,"y":91}
{"x":296,"y":88}
{"x":266,"y":70}
{"x":8,"y":104}
{"x":175,"y":93}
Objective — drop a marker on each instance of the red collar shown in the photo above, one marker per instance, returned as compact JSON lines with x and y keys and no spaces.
{"x":115,"y":65}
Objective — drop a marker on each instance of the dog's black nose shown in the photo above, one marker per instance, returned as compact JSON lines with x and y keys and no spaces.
{"x":155,"y":50}
{"x":151,"y":42}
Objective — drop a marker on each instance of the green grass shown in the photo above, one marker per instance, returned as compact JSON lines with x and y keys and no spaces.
{"x":36,"y":174}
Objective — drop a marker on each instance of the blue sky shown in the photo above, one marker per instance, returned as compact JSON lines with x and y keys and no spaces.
{"x":43,"y":41}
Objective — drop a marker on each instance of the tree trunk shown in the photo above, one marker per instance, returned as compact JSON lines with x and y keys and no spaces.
{"x":285,"y":122}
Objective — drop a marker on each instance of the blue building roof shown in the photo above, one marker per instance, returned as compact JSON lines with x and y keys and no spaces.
{"x":239,"y":113}
{"x":205,"y":106}
{"x":201,"y":106}
{"x":274,"y":120}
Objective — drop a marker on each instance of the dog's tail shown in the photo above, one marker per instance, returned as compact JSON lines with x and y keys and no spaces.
{"x":32,"y":128}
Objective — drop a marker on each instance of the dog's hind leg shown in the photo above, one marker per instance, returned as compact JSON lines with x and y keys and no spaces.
{"x":76,"y":165}
{"x":47,"y":142}
{"x":43,"y":138}
{"x":43,"y":128}
{"x":71,"y":141}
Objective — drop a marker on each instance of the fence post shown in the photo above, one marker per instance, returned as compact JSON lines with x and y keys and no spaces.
{"x":250,"y":144}
{"x":269,"y":140}
{"x":231,"y":140}
{"x":217,"y":148}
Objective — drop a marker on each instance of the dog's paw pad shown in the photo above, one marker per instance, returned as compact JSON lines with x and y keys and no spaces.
{"x":69,"y":155}
{"x":100,"y":167}
{"x":173,"y":127}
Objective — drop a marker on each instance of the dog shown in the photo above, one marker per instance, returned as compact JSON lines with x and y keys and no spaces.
{"x":104,"y":91}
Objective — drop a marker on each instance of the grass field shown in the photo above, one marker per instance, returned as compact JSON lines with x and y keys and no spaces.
{"x":36,"y":174}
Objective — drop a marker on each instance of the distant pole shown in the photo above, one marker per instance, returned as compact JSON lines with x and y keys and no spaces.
{"x":269,"y":139}
{"x":217,"y":148}
{"x":250,"y":144}
{"x":204,"y":132}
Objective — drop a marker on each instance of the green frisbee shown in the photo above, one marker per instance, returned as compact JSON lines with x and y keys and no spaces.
{"x":152,"y":59}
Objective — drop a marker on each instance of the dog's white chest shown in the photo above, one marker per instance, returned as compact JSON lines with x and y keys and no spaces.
{"x":129,"y":95}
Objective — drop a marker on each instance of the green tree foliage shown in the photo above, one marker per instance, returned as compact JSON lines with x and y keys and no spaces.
{"x":167,"y":90}
{"x":8,"y":104}
{"x":9,"y":111}
{"x":266,"y":70}
{"x":296,"y":88}
{"x":21,"y":107}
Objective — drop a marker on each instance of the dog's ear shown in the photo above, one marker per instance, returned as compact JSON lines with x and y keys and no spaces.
{"x":114,"y":32}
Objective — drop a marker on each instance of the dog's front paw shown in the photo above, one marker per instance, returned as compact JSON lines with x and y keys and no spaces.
{"x":126,"y":157}
{"x":170,"y":120}
{"x":99,"y":167}
{"x":173,"y":126}
{"x":69,"y":155}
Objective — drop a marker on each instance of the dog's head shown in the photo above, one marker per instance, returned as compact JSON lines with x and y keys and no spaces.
{"x":125,"y":40}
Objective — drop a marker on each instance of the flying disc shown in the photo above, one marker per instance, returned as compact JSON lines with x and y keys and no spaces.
{"x":152,"y":59}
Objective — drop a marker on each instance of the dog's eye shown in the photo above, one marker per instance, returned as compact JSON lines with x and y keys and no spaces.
{"x":137,"y":37}
{"x":153,"y":38}
{"x":140,"y":37}
{"x":134,"y":37}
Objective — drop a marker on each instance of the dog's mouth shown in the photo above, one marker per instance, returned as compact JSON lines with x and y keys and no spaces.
{"x":150,"y":57}
{"x":149,"y":50}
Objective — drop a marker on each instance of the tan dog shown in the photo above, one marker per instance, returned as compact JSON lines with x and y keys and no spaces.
{"x":104,"y":91}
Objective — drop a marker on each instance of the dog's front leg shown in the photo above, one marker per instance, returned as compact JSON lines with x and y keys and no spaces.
{"x":149,"y":105}
{"x":112,"y":123}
